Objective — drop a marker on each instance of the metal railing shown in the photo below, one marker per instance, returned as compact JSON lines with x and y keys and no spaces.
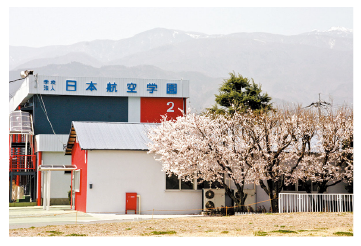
{"x":21,"y":163}
{"x":308,"y":202}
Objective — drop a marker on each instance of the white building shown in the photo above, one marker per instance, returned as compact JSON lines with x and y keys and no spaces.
{"x":53,"y":102}
{"x":113,"y":160}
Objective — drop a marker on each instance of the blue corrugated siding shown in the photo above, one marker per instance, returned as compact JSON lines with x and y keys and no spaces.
{"x":62,"y":110}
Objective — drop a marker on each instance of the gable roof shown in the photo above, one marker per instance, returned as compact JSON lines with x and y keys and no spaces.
{"x":109,"y":135}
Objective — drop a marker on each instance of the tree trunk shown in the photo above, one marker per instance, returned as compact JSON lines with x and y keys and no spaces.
{"x":241,"y":197}
{"x":274,"y":188}
{"x":238,"y":198}
{"x":321,"y":187}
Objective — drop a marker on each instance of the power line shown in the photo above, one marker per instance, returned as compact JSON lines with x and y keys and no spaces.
{"x":42,"y":105}
{"x":23,"y":74}
{"x":17,"y":79}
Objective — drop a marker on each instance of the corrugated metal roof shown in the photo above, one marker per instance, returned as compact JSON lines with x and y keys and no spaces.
{"x":112,"y":135}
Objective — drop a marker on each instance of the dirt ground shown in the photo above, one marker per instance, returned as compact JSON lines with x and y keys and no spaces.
{"x":291,"y":224}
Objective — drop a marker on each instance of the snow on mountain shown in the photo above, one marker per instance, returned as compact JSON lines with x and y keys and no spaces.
{"x":292,"y":68}
{"x":340,"y":32}
{"x":340,"y":29}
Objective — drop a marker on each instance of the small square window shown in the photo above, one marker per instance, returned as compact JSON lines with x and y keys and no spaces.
{"x":172,"y":182}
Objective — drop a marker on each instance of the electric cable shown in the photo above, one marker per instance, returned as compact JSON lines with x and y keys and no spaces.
{"x":42,"y":105}
{"x":26,"y":72}
{"x":17,"y":79}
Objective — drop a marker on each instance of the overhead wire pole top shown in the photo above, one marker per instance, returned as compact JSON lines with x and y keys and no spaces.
{"x":319,"y":104}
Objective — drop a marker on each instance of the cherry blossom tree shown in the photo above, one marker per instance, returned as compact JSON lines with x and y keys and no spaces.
{"x":271,"y":149}
{"x":206,"y":147}
{"x":332,"y":152}
{"x":278,"y":149}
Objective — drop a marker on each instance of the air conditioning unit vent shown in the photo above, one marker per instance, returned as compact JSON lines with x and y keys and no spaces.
{"x":209,"y":205}
{"x":209,"y":194}
{"x":213,"y":198}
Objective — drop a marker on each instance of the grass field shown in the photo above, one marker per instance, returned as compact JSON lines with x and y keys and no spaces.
{"x":259,"y":225}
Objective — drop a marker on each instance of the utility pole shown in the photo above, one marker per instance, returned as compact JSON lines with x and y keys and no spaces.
{"x":319,"y":104}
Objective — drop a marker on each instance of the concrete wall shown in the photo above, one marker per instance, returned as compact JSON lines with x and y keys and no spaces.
{"x":115,"y":172}
{"x":60,"y":182}
{"x":262,"y":196}
{"x":338,"y":188}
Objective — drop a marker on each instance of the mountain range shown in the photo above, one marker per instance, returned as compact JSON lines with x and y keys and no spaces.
{"x":294,"y":68}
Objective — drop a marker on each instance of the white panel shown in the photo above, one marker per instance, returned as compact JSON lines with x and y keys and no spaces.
{"x":60,"y":182}
{"x":115,"y":172}
{"x":133,"y":109}
{"x":219,"y":198}
{"x":51,"y":142}
{"x":21,"y":95}
{"x":56,"y":85}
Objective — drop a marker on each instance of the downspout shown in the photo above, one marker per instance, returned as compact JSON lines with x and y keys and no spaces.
{"x":139,"y":204}
{"x":71,"y":190}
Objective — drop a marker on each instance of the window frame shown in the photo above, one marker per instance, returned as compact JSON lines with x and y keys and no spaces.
{"x":76,"y":175}
{"x":297,"y":184}
{"x":194,"y":184}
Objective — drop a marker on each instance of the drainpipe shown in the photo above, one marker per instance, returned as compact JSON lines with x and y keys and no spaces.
{"x":71,"y":190}
{"x":138,"y":196}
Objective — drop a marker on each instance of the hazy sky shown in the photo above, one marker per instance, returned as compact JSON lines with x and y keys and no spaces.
{"x":37,"y":27}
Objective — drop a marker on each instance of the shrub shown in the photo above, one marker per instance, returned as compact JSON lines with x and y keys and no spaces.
{"x":343,"y":233}
{"x":163,"y":232}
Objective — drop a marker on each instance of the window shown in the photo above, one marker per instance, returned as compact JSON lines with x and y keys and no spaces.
{"x":208,"y":184}
{"x":174,"y":183}
{"x":301,"y":186}
{"x":290,"y":187}
{"x":77,"y":180}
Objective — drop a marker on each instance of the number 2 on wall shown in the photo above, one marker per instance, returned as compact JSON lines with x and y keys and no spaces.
{"x":171,"y":107}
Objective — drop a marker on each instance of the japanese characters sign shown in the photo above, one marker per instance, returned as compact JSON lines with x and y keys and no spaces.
{"x":129,"y":87}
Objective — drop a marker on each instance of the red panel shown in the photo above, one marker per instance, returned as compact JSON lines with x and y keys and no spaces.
{"x":152,"y":108}
{"x":131,"y":202}
{"x":39,"y":179}
{"x":78,"y":159}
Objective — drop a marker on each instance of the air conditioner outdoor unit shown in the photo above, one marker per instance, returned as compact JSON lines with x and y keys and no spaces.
{"x":213,"y":198}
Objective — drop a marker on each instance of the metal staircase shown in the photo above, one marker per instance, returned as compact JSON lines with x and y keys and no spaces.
{"x":22,"y":161}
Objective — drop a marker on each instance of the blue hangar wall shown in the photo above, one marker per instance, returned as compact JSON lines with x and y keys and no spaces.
{"x":62,"y":110}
